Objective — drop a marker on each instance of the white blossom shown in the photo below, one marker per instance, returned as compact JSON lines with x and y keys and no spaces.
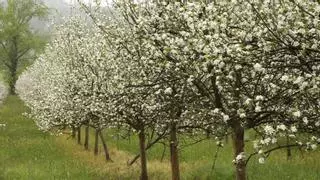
{"x":313,"y":146}
{"x":257,"y":109}
{"x":296,"y":113}
{"x":247,"y":101}
{"x":269,"y":129}
{"x":261,"y":160}
{"x":225,"y":118}
{"x":281,"y":127}
{"x":293,"y":129}
{"x":258,"y":67}
{"x":240,"y":157}
{"x":168,"y":91}
{"x":259,"y":98}
{"x":285,"y":78}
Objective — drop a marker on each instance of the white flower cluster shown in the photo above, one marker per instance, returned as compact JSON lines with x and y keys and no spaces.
{"x":240,"y":158}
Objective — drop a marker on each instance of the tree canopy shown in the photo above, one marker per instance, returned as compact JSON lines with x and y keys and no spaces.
{"x":18,"y":40}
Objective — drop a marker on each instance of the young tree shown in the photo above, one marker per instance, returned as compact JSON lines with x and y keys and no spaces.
{"x":18,"y":40}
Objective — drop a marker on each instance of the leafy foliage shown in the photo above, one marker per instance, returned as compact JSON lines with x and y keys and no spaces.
{"x":18,"y":41}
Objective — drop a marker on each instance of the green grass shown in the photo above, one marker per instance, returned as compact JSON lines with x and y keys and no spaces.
{"x":196,"y":160}
{"x":199,"y":158}
{"x":27,"y":153}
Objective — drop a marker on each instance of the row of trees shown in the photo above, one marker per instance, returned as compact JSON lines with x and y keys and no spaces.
{"x":162,"y":69}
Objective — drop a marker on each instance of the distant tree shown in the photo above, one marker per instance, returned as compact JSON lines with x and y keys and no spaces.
{"x":18,"y":41}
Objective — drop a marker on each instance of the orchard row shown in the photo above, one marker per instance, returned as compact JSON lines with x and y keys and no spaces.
{"x":218,"y":68}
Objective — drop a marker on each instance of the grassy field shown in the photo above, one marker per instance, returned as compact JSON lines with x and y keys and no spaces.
{"x":27,"y":153}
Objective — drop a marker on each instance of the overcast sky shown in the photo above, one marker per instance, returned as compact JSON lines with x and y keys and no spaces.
{"x":59,"y":9}
{"x":103,"y":2}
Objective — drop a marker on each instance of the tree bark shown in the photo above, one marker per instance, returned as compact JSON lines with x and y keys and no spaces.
{"x":13,"y":66}
{"x":73,"y":132}
{"x":143,"y":158}
{"x":86,"y":138}
{"x":12,"y":89}
{"x":96,"y":143}
{"x":13,"y":77}
{"x":79,"y":135}
{"x":238,"y":146}
{"x":105,"y":147}
{"x":288,"y":149}
{"x":238,"y":137}
{"x":174,"y":156}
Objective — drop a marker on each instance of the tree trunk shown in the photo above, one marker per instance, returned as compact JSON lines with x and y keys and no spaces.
{"x":105,"y":147}
{"x":13,"y":76}
{"x":12,"y":89}
{"x":148,"y":146}
{"x":288,"y":149}
{"x":79,"y":135}
{"x":174,"y":157}
{"x":13,"y":66}
{"x":96,"y":143}
{"x":73,"y":132}
{"x":86,"y":138}
{"x":238,"y":146}
{"x":143,"y":158}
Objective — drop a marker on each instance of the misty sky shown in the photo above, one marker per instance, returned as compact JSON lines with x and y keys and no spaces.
{"x":103,"y":2}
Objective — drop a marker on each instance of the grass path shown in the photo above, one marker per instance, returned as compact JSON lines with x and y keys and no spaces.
{"x":27,"y":153}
